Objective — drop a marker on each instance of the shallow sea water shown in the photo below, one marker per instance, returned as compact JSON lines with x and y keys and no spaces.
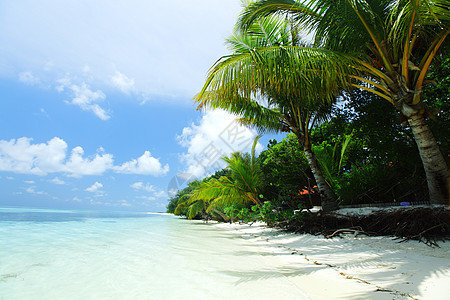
{"x":54,"y":254}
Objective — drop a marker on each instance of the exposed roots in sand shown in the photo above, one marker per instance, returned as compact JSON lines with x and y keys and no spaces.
{"x":425,"y":224}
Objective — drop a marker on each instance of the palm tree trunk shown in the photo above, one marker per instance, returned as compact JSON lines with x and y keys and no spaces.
{"x":221,"y":214}
{"x":326,"y":194}
{"x":433,"y":161}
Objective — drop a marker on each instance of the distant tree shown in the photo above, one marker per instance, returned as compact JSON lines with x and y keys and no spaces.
{"x":182,"y":207}
{"x":178,"y":198}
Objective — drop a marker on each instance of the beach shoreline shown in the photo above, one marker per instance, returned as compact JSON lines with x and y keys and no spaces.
{"x":354,"y":267}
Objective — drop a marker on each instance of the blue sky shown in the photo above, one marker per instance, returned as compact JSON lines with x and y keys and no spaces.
{"x":96,"y":101}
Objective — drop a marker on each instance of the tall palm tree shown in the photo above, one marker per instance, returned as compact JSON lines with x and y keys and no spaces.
{"x":280,"y":92}
{"x":244,"y":185}
{"x":393,"y":43}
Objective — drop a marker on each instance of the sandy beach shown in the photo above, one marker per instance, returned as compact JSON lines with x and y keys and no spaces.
{"x":354,"y":267}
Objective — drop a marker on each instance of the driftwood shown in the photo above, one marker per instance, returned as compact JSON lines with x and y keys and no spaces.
{"x":354,"y":231}
{"x":424,"y":224}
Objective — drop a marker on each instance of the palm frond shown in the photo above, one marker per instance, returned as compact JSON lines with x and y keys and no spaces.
{"x":294,"y":72}
{"x":261,"y":9}
{"x":243,"y":186}
{"x":195,"y":209}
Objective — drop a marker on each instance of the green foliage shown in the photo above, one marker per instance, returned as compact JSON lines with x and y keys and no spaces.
{"x":383,"y":164}
{"x":195,"y":208}
{"x":380,"y":162}
{"x":172,"y":205}
{"x":393,"y":44}
{"x":180,"y":197}
{"x":219,"y":173}
{"x":437,"y":99}
{"x":286,"y":171}
{"x":246,"y":215}
{"x":237,"y":212}
{"x":232,"y":211}
{"x":240,"y":183}
{"x":333,"y":159}
{"x":271,"y":215}
{"x":380,"y":183}
{"x":242,"y":186}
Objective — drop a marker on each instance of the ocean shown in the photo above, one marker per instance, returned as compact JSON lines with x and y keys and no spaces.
{"x":62,"y":254}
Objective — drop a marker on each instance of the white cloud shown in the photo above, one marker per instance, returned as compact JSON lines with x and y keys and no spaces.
{"x":21,"y":156}
{"x":216,"y":136}
{"x":155,"y":192}
{"x":122,"y":82}
{"x":31,"y":190}
{"x":76,"y":199}
{"x":144,"y":165}
{"x":28,"y":78}
{"x":116,"y":204}
{"x":95,"y":188}
{"x":78,"y":166}
{"x":141,"y":186}
{"x":132,"y":36}
{"x":56,"y":180}
{"x":124,"y":203}
{"x":86,"y":69}
{"x":44,"y":112}
{"x":160,"y":194}
{"x":83,"y":97}
{"x":148,"y":198}
{"x":29,"y":181}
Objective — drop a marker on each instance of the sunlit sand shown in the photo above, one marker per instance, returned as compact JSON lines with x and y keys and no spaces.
{"x":355,"y":267}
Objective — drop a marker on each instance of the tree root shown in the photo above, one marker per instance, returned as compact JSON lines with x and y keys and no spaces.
{"x":424,"y":224}
{"x":339,"y":231}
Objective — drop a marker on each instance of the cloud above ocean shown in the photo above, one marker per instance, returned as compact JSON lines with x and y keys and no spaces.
{"x":25,"y":157}
{"x":216,"y":135}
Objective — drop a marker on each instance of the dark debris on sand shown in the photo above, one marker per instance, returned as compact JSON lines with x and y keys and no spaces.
{"x":426,"y":224}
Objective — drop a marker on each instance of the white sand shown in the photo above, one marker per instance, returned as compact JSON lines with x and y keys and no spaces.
{"x":355,"y":267}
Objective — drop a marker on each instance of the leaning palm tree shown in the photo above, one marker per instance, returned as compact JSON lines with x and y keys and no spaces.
{"x":281,"y":92}
{"x":393,"y":43}
{"x":243,"y":186}
{"x":192,"y":208}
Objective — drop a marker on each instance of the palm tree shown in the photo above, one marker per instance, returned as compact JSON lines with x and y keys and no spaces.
{"x":280,"y":92}
{"x":243,"y":186}
{"x":333,"y":159}
{"x":190,"y":209}
{"x":393,"y":43}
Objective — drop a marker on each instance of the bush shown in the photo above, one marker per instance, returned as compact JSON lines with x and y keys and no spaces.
{"x":271,"y":216}
{"x":379,"y":183}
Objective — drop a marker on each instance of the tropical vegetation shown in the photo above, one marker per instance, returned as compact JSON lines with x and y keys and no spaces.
{"x":345,"y":144}
{"x":288,"y":105}
{"x":393,"y":44}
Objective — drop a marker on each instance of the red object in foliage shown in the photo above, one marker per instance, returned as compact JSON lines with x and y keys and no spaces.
{"x":305,"y":191}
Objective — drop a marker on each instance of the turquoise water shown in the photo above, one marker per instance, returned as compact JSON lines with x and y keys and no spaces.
{"x":53,"y":254}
